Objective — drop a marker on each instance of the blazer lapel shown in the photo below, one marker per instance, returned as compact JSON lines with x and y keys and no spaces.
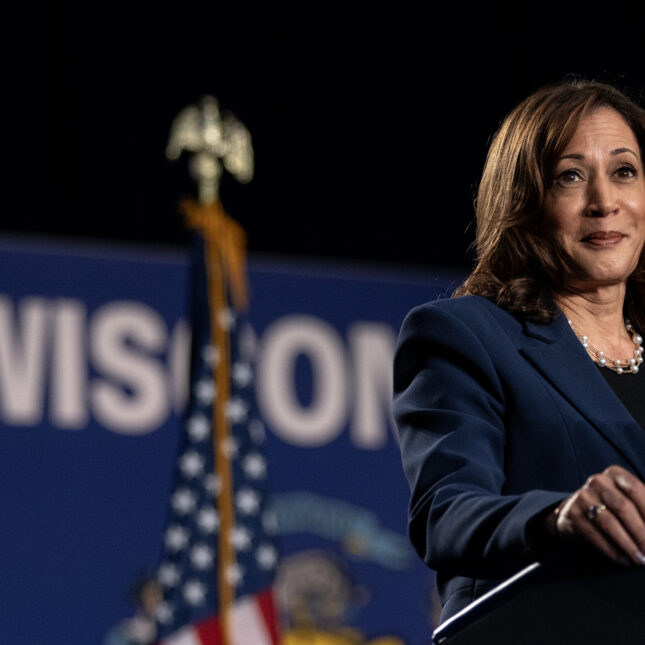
{"x":555,"y":351}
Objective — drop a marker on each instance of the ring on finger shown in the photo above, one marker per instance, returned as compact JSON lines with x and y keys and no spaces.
{"x":594,"y":511}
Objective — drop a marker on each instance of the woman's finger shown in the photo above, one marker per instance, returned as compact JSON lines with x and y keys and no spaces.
{"x":609,"y":512}
{"x":630,"y":486}
{"x":598,"y":540}
{"x":571,"y":521}
{"x":585,"y":515}
{"x":608,"y":487}
{"x":602,"y":522}
{"x":626,"y":513}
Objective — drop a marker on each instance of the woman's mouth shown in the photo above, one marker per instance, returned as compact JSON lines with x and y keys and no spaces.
{"x":603,"y":238}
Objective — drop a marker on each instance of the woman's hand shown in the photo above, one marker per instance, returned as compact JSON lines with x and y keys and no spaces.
{"x":609,"y":512}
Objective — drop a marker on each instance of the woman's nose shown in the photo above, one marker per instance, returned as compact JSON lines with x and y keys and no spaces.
{"x":602,"y":197}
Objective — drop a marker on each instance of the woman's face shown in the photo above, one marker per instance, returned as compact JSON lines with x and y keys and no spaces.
{"x":595,"y":205}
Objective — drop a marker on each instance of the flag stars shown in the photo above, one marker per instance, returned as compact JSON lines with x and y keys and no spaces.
{"x":183,"y":501}
{"x":241,"y":538}
{"x":168,"y":574}
{"x":266,"y":556}
{"x":210,"y":355}
{"x":237,"y":410}
{"x":191,"y":563}
{"x":247,"y":342}
{"x":242,"y":374}
{"x":191,"y":464}
{"x":201,"y":556}
{"x":212,"y":484}
{"x":164,"y":613}
{"x":230,"y":447}
{"x":254,"y":465}
{"x":194,"y":592}
{"x":176,"y":537}
{"x":208,"y":520}
{"x":235,"y":574}
{"x":204,"y":390}
{"x":226,"y":318}
{"x":247,"y":501}
{"x":198,"y":427}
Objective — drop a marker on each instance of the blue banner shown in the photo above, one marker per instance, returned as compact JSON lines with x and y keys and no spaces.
{"x":93,"y":377}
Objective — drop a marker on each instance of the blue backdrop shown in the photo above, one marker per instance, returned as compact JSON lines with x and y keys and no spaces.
{"x":93,"y":378}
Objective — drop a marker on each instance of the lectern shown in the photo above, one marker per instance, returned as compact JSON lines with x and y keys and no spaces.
{"x":575,"y":598}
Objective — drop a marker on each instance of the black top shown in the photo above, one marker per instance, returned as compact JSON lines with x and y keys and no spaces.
{"x":630,"y":389}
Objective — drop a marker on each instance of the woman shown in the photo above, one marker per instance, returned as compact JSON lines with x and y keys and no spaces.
{"x":518,"y":403}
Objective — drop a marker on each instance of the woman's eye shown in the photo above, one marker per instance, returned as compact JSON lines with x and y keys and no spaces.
{"x":626,"y":172}
{"x":569,"y":176}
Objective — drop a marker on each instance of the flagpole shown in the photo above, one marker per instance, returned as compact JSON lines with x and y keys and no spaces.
{"x":220,"y":339}
{"x":224,"y":260}
{"x":211,"y":140}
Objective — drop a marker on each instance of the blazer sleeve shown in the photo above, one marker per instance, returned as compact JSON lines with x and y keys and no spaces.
{"x":450,"y":408}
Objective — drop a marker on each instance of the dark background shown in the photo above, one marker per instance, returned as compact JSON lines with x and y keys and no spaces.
{"x":369,"y":121}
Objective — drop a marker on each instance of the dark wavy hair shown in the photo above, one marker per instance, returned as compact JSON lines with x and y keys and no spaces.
{"x":518,"y":263}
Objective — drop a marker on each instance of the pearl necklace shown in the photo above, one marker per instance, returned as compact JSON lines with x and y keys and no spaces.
{"x":620,"y":367}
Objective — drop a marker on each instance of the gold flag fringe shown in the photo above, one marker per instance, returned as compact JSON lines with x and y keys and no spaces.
{"x":228,"y":240}
{"x":225,"y":258}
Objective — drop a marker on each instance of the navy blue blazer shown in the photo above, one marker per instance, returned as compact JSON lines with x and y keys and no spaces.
{"x":499,"y":419}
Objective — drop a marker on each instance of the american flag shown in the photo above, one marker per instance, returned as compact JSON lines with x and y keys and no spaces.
{"x":219,"y":558}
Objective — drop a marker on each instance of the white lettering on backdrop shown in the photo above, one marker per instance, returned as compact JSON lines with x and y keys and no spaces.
{"x":127,"y":341}
{"x":23,"y":345}
{"x":284,"y":341}
{"x":124,"y":368}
